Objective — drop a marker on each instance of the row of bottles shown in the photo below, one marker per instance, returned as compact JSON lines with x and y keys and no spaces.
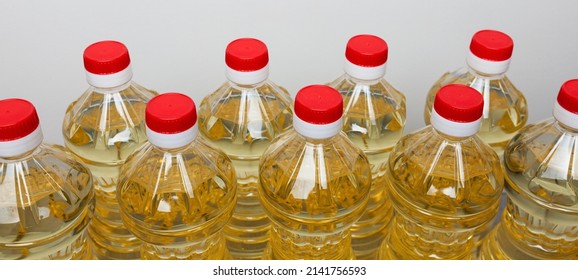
{"x":257,"y":175}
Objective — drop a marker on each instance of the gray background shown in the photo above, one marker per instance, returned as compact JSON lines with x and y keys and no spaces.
{"x":179,"y":45}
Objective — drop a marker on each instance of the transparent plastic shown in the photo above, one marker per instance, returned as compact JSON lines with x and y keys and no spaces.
{"x":541,"y":217}
{"x":505,"y":111}
{"x":46,"y":203}
{"x":313,"y":191}
{"x":445,"y":191}
{"x":374,"y":115}
{"x":177,"y":201}
{"x":242,"y":120}
{"x":102,"y":128}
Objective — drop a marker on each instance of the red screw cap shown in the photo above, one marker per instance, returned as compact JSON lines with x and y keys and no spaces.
{"x":318,"y":104}
{"x":106,"y":57}
{"x":18,"y":118}
{"x":568,"y":96}
{"x":246,"y":55}
{"x":366,"y":50}
{"x":492,"y":45}
{"x":170,"y":113}
{"x":459,"y":103}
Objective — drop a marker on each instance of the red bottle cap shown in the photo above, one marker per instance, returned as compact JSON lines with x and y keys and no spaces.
{"x":170,"y":113}
{"x":459,"y":103}
{"x":318,"y":104}
{"x":492,"y":45}
{"x":568,"y":96}
{"x":246,"y":55}
{"x":366,"y":50}
{"x":18,"y":118}
{"x":106,"y":57}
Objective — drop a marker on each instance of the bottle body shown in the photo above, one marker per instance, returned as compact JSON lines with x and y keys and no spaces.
{"x":505,"y":109}
{"x":102,"y":128}
{"x":541,"y":217}
{"x":313,"y":191}
{"x":445,"y":191}
{"x":178,"y":201}
{"x":46,"y":203}
{"x":374,"y":119}
{"x":242,"y":121}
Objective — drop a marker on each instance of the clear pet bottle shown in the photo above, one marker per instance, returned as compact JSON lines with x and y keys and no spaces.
{"x":315,"y":183}
{"x":505,"y":111}
{"x":445,"y":183}
{"x":541,"y":216}
{"x":241,"y":118}
{"x":46,"y":197}
{"x":102,"y":128}
{"x":374,"y":119}
{"x":177,"y":193}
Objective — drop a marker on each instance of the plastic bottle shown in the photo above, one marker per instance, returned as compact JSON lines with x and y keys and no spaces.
{"x":505,"y":111}
{"x":444,"y":182}
{"x":315,"y":182}
{"x":102,"y":128}
{"x":541,"y":217}
{"x":46,"y":197}
{"x":241,"y":118}
{"x":374,"y":119}
{"x":177,"y":193}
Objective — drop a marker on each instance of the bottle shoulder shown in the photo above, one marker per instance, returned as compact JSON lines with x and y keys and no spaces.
{"x":107,"y":127}
{"x":413,"y":145}
{"x":179,"y":189}
{"x":505,"y":107}
{"x":454,"y":174}
{"x":327,"y":174}
{"x":110,"y":110}
{"x":540,"y":161}
{"x":49,"y":167}
{"x":244,"y":121}
{"x":198,"y":154}
{"x":43,"y":194}
{"x":374,"y":115}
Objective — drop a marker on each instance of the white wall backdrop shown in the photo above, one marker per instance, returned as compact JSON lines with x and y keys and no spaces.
{"x":179,"y":45}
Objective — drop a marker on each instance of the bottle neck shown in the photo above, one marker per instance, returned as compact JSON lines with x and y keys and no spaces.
{"x":19,"y":148}
{"x":486,"y":68}
{"x":247,"y":79}
{"x":317,"y":131}
{"x":565,"y":118}
{"x":357,"y":81}
{"x":112,"y":89}
{"x":454,"y":129}
{"x":171,"y":142}
{"x":450,"y":138}
{"x":366,"y":75}
{"x":485,"y":76}
{"x":109,"y":81}
{"x":246,"y":88}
